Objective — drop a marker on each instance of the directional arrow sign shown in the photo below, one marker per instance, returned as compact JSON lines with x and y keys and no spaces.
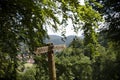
{"x":45,"y":49}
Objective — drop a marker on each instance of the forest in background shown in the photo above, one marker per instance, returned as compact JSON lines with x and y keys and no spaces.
{"x":23,"y":28}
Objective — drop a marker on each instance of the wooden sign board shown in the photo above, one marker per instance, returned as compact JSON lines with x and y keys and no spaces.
{"x":41,"y":50}
{"x":59,"y":47}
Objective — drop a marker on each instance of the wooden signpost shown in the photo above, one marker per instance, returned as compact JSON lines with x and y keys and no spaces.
{"x":50,"y":48}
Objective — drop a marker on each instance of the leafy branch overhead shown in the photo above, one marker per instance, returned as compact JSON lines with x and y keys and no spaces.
{"x":26,"y":21}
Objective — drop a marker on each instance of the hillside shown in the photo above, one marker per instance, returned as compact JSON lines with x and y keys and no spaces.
{"x":59,"y":40}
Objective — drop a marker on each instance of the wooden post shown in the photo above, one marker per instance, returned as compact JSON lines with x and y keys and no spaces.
{"x":51,"y":62}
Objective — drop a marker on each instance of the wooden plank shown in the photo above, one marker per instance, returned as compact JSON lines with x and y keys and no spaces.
{"x":59,"y":47}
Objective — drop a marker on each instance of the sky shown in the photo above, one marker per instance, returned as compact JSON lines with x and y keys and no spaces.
{"x":69,"y":28}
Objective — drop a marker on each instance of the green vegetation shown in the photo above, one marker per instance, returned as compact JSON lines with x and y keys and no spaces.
{"x":23,"y":27}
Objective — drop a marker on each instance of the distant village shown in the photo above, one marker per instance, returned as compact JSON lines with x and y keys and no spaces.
{"x":26,"y":58}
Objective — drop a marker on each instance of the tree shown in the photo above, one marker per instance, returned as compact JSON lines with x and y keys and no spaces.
{"x":71,"y":65}
{"x":23,"y":21}
{"x":111,"y":12}
{"x":76,"y":43}
{"x":111,"y":28}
